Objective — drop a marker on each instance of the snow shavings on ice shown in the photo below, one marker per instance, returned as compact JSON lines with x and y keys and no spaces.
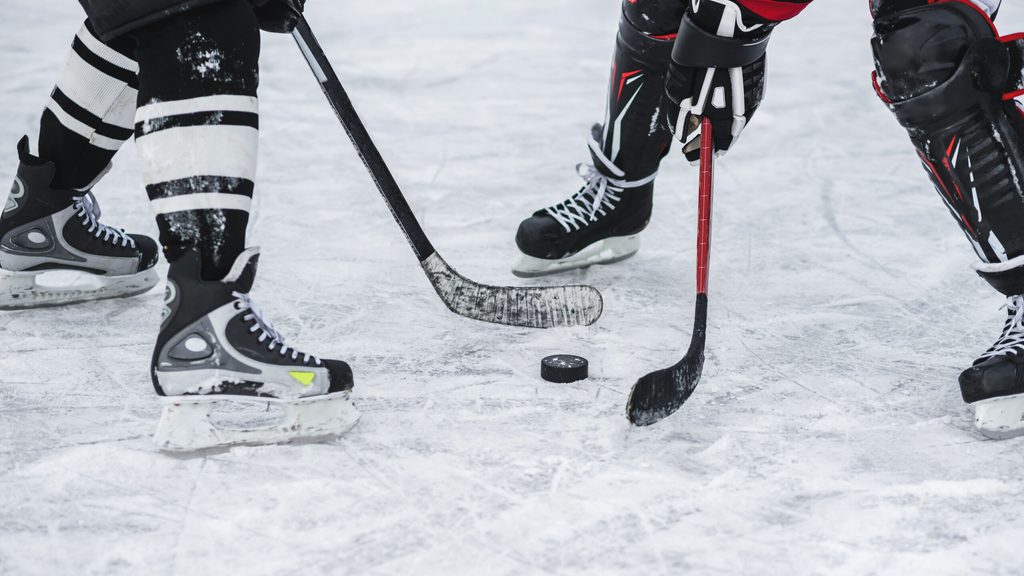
{"x":827,"y":436}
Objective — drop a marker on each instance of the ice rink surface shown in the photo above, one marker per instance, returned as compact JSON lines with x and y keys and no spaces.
{"x":828,"y":435}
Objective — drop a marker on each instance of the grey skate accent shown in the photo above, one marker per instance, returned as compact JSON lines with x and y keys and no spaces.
{"x":34,"y":239}
{"x":528,"y":307}
{"x":205,"y":373}
{"x":176,"y":357}
{"x":18,"y":258}
{"x":170,"y":301}
{"x":191,"y":347}
{"x":17,"y":192}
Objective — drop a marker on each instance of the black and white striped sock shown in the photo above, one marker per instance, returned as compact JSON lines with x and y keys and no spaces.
{"x":199,"y":163}
{"x":197,"y":127}
{"x":91,"y":110}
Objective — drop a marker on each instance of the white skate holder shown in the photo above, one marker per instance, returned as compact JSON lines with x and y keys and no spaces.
{"x":186,"y":422}
{"x":59,"y":287}
{"x":1000,"y":418}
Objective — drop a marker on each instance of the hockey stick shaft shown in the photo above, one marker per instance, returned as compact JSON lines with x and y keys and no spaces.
{"x":662,"y":392}
{"x":368,"y":152}
{"x":704,"y":206}
{"x":527,"y":307}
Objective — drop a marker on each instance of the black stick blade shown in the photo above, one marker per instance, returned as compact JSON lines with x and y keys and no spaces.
{"x":660,"y":393}
{"x":526,"y":307}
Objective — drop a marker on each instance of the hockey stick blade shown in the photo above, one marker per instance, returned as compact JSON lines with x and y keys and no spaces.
{"x":659,"y":394}
{"x":527,"y":307}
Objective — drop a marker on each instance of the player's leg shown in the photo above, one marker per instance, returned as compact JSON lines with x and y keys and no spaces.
{"x":196,"y":133}
{"x":51,"y":220}
{"x":599,"y":224}
{"x":951,"y":81}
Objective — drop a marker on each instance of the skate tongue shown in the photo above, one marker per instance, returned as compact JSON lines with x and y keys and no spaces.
{"x":36,"y":174}
{"x":243,"y":272}
{"x":24,"y":155}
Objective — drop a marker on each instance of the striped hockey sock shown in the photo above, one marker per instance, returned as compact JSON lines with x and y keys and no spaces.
{"x":196,"y":130}
{"x":91,"y":110}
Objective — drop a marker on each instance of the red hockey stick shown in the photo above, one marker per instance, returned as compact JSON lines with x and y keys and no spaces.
{"x":659,"y":394}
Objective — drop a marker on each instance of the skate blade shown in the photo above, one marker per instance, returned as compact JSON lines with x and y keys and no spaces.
{"x":187,"y":422}
{"x":21,"y":290}
{"x":607,"y":251}
{"x":1000,"y":418}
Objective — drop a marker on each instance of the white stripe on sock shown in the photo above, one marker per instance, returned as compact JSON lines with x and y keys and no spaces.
{"x":106,"y":52}
{"x":105,"y":97}
{"x":82,"y":129}
{"x":225,"y":103}
{"x":188,"y":151}
{"x":204,"y":201}
{"x":122,"y":112}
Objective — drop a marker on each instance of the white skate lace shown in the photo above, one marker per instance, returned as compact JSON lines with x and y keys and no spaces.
{"x":89,"y":210}
{"x":599,"y":195}
{"x":1012,"y":340}
{"x":267,"y":331}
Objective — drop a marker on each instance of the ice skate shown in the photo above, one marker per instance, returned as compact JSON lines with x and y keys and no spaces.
{"x":54,"y":250}
{"x":215,"y":352}
{"x":994,"y":386}
{"x":599,"y":224}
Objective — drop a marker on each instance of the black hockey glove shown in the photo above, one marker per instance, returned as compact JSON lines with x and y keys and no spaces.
{"x":279,"y":15}
{"x":718,"y":71}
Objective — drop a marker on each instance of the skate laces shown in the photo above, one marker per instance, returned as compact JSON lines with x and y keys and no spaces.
{"x":1012,"y":340}
{"x":267,"y":330}
{"x":89,"y":210}
{"x":599,"y":195}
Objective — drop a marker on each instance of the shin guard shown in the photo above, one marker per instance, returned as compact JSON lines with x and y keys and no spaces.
{"x":634,"y":136}
{"x":951,"y":82}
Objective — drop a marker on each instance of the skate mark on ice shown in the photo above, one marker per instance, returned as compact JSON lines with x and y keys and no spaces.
{"x":440,"y":167}
{"x":828,"y":211}
{"x":789,"y":378}
{"x":185,"y":517}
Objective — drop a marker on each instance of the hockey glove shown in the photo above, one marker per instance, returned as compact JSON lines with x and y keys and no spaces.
{"x":718,"y":71}
{"x":280,"y":16}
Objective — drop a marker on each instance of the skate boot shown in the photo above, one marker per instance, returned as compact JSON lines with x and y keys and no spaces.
{"x":994,"y":385}
{"x":54,"y":250}
{"x":599,"y":224}
{"x":215,"y":350}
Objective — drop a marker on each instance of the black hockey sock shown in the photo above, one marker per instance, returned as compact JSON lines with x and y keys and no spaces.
{"x":634,"y":137}
{"x":196,"y":129}
{"x":91,"y":110}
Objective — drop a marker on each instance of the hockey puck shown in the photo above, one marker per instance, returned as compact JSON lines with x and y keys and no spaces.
{"x":564,"y":368}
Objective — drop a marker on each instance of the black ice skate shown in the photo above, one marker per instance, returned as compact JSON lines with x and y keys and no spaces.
{"x":599,"y":224}
{"x":994,"y":386}
{"x":215,"y":346}
{"x":54,"y":250}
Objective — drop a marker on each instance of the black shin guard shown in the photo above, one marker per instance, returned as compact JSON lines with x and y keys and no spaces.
{"x":947,"y":77}
{"x":634,"y":137}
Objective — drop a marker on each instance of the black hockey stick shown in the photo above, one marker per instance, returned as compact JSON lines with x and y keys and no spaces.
{"x":530,"y":307}
{"x":659,"y":394}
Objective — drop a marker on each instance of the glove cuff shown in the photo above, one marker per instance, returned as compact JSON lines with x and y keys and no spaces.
{"x":697,"y":48}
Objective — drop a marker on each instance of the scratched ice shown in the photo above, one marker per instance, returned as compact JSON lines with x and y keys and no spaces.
{"x":828,"y":436}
